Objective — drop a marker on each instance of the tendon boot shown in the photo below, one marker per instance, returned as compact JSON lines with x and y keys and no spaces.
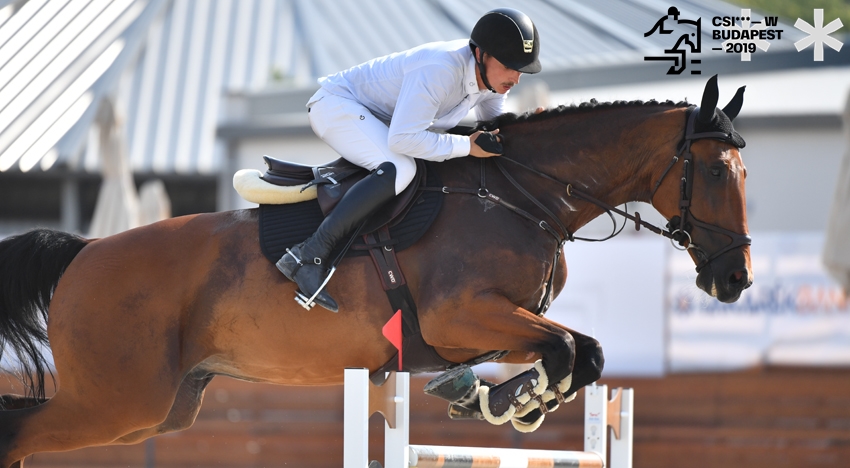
{"x":518,"y":399}
{"x":305,"y":263}
{"x":532,"y":415}
{"x":500,"y":403}
{"x":459,"y":386}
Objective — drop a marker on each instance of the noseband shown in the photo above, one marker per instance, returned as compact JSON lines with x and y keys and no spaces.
{"x":679,"y":228}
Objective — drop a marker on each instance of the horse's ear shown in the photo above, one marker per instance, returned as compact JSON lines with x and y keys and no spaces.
{"x":709,"y":100}
{"x":731,"y":110}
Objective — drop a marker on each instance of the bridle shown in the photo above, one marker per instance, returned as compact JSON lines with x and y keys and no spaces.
{"x":680,"y":226}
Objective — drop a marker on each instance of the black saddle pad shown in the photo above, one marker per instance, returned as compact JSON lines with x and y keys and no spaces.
{"x":282,"y":226}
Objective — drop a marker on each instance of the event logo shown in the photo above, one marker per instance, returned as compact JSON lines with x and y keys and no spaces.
{"x":819,"y":34}
{"x":746,"y":37}
{"x":742,"y":35}
{"x":688,"y":42}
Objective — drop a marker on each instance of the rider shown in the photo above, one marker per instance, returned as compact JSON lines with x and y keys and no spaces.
{"x":383,"y":113}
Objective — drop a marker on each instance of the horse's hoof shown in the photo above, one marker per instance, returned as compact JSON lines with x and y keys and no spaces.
{"x":458,"y":385}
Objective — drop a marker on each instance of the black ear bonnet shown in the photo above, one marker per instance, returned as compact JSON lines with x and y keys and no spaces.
{"x":712,"y":119}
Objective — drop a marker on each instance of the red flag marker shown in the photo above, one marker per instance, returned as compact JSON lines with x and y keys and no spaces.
{"x":392,"y":332}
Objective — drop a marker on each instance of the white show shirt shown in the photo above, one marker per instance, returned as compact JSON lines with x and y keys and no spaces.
{"x":417,"y":92}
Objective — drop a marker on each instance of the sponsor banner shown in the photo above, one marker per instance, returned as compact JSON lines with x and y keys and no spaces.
{"x":794,"y":314}
{"x":615,"y":293}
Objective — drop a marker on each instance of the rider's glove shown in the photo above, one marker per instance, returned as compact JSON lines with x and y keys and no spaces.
{"x":490,"y":143}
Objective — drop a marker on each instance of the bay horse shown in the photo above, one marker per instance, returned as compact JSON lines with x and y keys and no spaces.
{"x":140,"y":322}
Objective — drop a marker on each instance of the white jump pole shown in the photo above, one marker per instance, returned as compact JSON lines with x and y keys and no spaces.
{"x":391,"y":400}
{"x":356,"y":419}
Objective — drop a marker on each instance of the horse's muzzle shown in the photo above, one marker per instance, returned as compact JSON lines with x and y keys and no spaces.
{"x":725,"y":279}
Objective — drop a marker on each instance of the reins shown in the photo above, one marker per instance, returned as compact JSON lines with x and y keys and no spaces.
{"x":678,"y":229}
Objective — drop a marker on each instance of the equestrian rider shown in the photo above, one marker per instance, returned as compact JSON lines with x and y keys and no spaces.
{"x":384,"y":113}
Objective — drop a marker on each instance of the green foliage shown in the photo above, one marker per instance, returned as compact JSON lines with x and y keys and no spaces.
{"x":789,"y":10}
{"x":278,"y":78}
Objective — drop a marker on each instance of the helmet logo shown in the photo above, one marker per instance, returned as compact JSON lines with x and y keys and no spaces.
{"x":528,"y":46}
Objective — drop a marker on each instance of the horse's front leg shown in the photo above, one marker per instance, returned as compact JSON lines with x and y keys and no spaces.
{"x":587,"y":369}
{"x":588,"y":365}
{"x":492,"y":322}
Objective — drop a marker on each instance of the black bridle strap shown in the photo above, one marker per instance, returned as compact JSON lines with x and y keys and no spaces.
{"x":686,"y":192}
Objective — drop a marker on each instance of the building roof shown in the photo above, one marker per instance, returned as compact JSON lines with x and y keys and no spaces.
{"x":57,"y":60}
{"x":171,"y":63}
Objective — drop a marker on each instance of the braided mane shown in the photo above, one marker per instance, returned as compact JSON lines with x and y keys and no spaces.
{"x":593,"y":104}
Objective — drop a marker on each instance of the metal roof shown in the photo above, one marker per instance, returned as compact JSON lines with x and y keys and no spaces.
{"x":57,"y":60}
{"x":170,"y":63}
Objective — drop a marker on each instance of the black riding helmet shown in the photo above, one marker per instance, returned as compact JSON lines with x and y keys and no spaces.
{"x":510,"y":36}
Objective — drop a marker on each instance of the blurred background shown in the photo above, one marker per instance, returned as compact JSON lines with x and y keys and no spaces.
{"x":115,"y":114}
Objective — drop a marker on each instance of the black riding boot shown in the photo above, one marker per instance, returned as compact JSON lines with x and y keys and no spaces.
{"x":305,"y":263}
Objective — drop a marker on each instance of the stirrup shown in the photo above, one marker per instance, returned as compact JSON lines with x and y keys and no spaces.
{"x":309,"y":303}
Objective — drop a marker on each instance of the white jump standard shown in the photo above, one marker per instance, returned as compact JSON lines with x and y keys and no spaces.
{"x":392,"y":401}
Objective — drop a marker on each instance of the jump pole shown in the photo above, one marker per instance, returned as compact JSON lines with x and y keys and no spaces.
{"x":392,"y":401}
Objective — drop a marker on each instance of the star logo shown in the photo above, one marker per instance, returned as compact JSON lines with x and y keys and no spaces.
{"x":747,"y":26}
{"x":818,"y":34}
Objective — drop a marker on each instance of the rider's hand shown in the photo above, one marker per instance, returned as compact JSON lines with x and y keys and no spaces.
{"x":491,"y":143}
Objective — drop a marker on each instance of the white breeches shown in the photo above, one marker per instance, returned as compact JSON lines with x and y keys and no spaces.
{"x":357,"y":135}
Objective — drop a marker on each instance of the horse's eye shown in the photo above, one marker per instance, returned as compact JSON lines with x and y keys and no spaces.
{"x":716,"y":171}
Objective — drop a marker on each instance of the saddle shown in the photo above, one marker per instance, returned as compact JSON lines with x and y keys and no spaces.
{"x":332,"y":180}
{"x":289,"y":213}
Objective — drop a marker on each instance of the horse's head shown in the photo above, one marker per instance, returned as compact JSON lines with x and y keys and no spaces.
{"x":702,"y":195}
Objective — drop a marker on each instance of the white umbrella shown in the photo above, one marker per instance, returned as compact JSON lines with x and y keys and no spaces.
{"x":154,"y":202}
{"x":117,"y":206}
{"x":836,"y":250}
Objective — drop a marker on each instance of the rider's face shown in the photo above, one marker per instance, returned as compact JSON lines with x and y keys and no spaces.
{"x":501,"y":78}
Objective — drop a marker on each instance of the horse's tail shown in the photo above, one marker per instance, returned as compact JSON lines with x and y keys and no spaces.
{"x":30,"y":267}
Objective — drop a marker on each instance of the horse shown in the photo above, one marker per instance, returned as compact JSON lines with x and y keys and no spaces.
{"x":140,"y":322}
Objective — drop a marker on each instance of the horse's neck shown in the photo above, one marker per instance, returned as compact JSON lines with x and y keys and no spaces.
{"x":614,"y":155}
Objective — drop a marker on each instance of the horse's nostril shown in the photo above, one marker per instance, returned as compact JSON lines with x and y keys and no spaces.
{"x":737,"y":277}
